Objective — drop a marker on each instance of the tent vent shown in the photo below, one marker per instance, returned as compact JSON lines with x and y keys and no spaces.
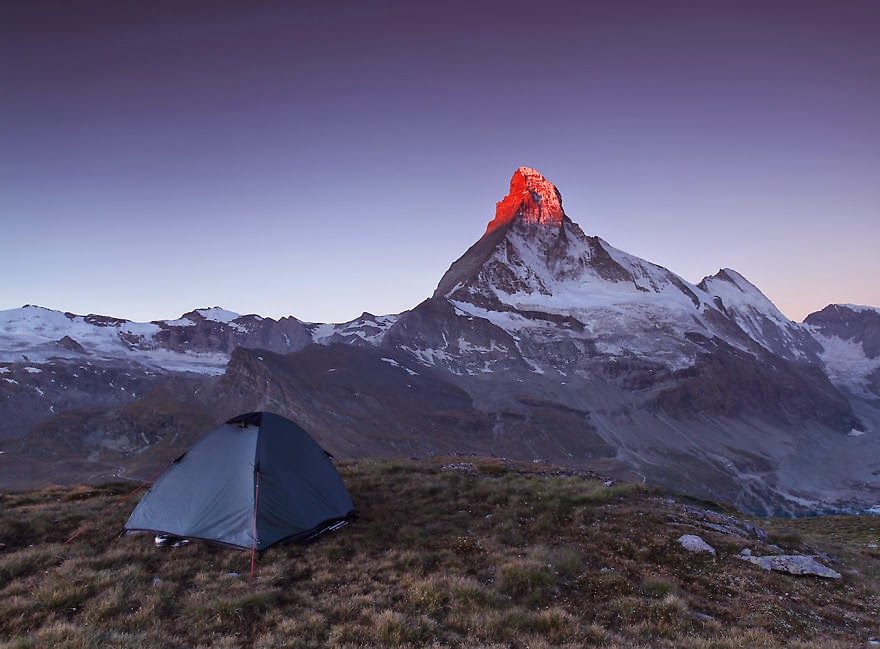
{"x":250,"y":419}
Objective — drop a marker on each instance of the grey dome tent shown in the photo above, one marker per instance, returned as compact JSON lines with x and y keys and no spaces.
{"x":254,"y":481}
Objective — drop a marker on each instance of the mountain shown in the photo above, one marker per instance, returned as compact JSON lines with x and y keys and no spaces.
{"x":540,"y":342}
{"x":849,"y":336}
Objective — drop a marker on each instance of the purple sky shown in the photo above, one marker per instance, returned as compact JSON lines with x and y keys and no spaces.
{"x":320,"y":159}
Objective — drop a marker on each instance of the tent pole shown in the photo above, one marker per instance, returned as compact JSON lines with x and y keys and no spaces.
{"x":256,"y":503}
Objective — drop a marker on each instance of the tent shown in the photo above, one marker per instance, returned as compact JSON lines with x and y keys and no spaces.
{"x":254,"y":481}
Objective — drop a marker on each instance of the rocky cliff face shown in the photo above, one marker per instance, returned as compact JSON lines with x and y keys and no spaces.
{"x":532,"y":199}
{"x":540,"y":342}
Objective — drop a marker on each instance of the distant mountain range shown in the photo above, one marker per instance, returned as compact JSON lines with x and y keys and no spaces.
{"x":540,"y":342}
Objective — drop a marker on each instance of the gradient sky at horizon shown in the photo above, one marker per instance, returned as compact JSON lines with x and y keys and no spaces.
{"x":320,"y":159}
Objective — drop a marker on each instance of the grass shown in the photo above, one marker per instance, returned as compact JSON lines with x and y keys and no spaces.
{"x":477,"y":554}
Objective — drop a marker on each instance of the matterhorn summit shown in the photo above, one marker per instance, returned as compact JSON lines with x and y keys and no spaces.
{"x":532,"y":198}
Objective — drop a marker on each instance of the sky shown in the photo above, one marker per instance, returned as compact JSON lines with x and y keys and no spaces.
{"x":321,"y":159}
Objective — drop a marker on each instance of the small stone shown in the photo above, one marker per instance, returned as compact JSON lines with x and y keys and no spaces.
{"x":746,"y":552}
{"x":693,"y":543}
{"x":608,"y":483}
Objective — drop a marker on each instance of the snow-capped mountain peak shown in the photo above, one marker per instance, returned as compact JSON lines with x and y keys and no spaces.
{"x":212,"y":314}
{"x":736,"y":292}
{"x":758,"y":317}
{"x":218,"y":314}
{"x":555,"y":268}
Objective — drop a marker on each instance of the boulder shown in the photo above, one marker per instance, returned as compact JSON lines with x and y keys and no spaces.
{"x":693,"y":543}
{"x":793,"y":564}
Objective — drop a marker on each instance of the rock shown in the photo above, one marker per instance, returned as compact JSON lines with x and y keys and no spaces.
{"x":533,"y":198}
{"x":71,"y":344}
{"x":466,"y":467}
{"x":693,"y":543}
{"x":793,"y":564}
{"x":725,"y":524}
{"x":745,"y":552}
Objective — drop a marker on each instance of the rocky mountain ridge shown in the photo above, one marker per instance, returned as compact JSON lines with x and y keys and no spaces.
{"x":547,"y":344}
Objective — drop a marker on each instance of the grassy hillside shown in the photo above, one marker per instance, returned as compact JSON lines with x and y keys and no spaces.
{"x":446,"y":553}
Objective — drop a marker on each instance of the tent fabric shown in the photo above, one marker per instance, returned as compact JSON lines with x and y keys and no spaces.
{"x":258,"y":471}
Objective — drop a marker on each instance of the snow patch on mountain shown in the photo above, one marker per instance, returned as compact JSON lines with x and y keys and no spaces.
{"x":860,"y":308}
{"x":587,"y":291}
{"x":429,"y":356}
{"x":510,"y":321}
{"x":143,"y":329}
{"x":181,"y":322}
{"x":847,"y":365}
{"x":651,"y":279}
{"x":218,"y":315}
{"x":394,"y":363}
{"x":211,"y":363}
